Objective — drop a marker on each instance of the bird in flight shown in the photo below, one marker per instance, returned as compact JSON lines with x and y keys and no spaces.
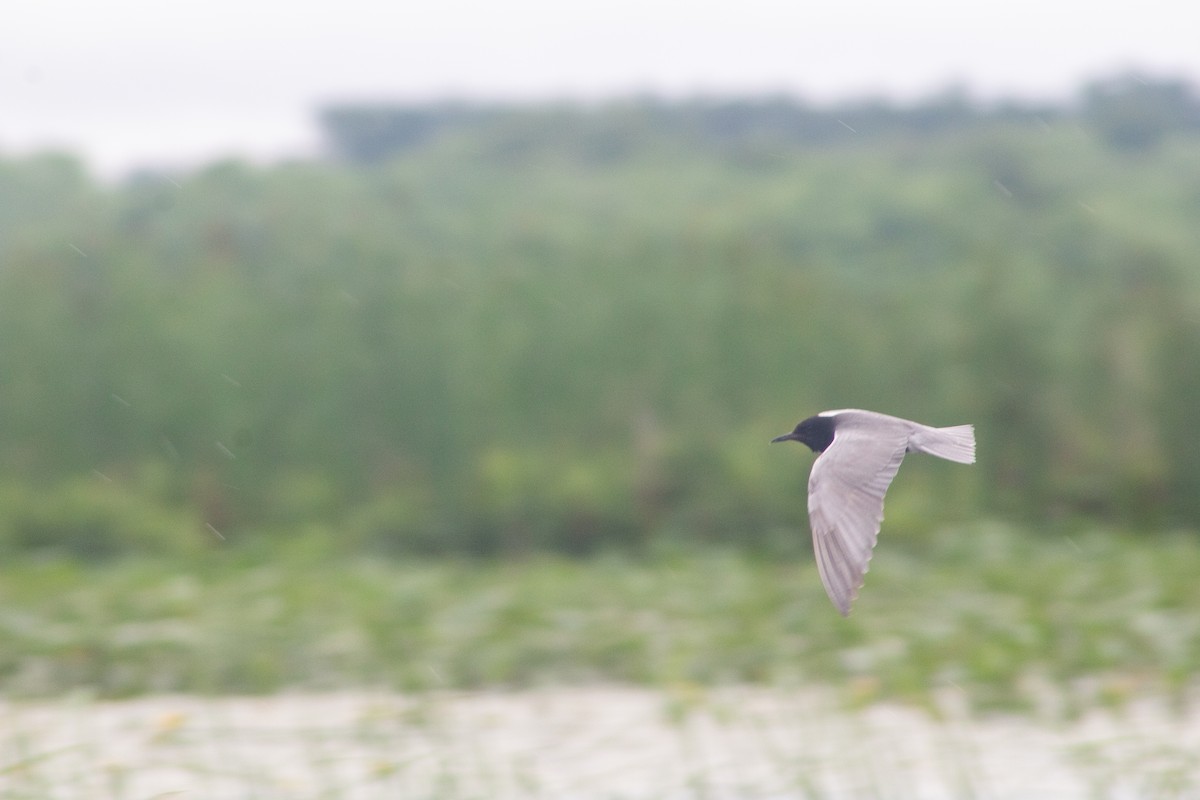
{"x":858,"y":455}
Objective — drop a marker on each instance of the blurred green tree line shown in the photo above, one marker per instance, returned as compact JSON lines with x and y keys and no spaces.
{"x":1131,"y":111}
{"x":545,"y":329}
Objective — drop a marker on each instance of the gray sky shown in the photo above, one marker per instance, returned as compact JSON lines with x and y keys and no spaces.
{"x":128,"y":82}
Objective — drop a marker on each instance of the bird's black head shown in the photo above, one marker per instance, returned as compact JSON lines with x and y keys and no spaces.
{"x":816,"y":432}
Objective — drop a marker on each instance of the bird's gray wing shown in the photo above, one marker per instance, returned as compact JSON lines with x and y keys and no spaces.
{"x":845,"y":505}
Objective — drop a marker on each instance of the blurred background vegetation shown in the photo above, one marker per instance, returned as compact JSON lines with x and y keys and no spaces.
{"x":484,"y":398}
{"x":501,"y":330}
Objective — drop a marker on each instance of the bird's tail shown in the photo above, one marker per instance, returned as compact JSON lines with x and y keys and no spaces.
{"x":953,"y":444}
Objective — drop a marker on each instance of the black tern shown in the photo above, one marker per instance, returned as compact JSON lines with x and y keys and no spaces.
{"x":858,"y":455}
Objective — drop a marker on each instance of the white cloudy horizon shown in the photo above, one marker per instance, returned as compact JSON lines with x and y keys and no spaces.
{"x":131,"y":82}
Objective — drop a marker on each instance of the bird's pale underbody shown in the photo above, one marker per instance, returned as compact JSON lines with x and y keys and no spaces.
{"x":858,"y":455}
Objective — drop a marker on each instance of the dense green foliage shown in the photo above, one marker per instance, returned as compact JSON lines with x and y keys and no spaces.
{"x":501,"y":343}
{"x":1055,"y":624}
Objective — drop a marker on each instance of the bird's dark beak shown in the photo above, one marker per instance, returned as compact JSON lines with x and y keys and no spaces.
{"x":787,"y":437}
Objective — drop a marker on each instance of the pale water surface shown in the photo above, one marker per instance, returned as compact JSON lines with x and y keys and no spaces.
{"x":583,"y":743}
